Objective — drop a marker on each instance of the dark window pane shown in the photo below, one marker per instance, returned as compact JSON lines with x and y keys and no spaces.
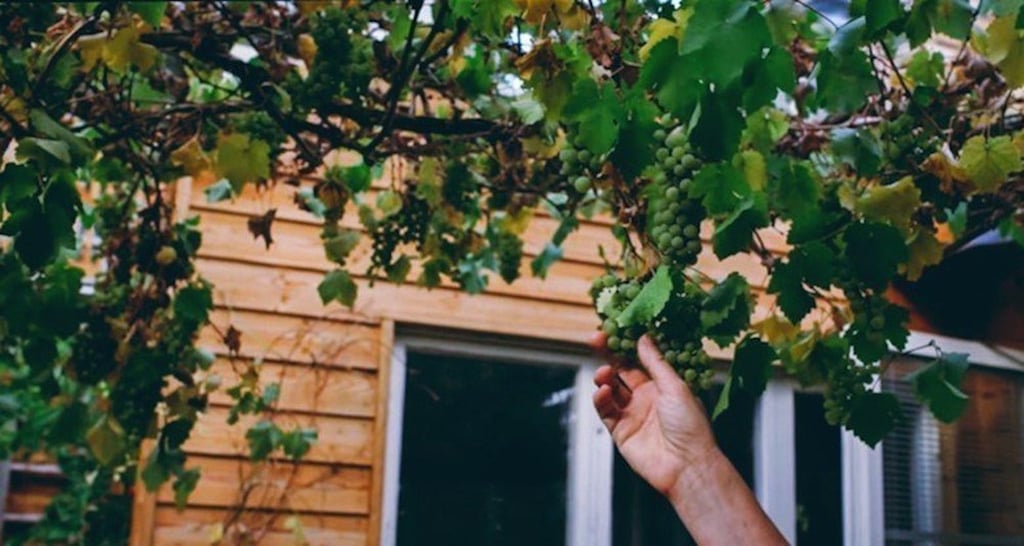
{"x":642,"y":517}
{"x":819,"y":480}
{"x":484,"y":453}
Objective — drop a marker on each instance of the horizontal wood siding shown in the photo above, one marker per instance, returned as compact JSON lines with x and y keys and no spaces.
{"x":332,"y":366}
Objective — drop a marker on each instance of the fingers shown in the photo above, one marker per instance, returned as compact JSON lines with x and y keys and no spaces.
{"x":665,"y":378}
{"x":622,"y":394}
{"x":607,"y":409}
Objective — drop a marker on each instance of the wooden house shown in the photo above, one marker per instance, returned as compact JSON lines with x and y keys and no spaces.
{"x":412,"y":393}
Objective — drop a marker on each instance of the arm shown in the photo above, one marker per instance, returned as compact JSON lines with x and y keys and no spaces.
{"x":661,"y":430}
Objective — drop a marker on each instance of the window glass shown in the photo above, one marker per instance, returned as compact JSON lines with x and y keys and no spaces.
{"x":819,"y":478}
{"x":960,"y":483}
{"x":642,"y":517}
{"x":484,"y":452}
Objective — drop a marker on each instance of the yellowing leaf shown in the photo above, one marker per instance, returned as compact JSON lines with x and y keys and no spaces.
{"x":117,"y":51}
{"x":106,"y":440}
{"x":538,"y":146}
{"x":894,"y":204}
{"x":988,"y":162}
{"x":536,"y":10}
{"x":925,"y":250}
{"x":1003,"y":46}
{"x":662,"y":29}
{"x":191,"y":157}
{"x":241,"y":159}
{"x":949,"y":174}
{"x":775,"y":329}
{"x":307,"y":7}
{"x":752,"y":163}
{"x":518,"y":222}
{"x":307,"y":48}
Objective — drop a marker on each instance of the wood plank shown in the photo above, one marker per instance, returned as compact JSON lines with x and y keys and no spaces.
{"x":143,"y":504}
{"x":196,"y":527}
{"x":307,"y":388}
{"x":341,"y":440}
{"x":380,"y":433}
{"x":29,"y":494}
{"x":277,"y":485}
{"x":282,"y":338}
{"x":294,"y":292}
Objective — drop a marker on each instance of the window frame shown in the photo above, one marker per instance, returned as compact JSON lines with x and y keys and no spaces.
{"x":589,"y":510}
{"x":591,"y":453}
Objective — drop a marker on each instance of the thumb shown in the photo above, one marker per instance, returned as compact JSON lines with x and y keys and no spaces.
{"x":665,"y":378}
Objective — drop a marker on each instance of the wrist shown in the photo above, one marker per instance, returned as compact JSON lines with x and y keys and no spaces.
{"x":698,"y":474}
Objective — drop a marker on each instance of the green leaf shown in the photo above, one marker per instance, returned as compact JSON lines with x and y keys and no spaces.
{"x":843,"y":85}
{"x":650,"y":301}
{"x":296,"y":443}
{"x":598,"y":113}
{"x":858,"y":148}
{"x":718,"y":129}
{"x":398,"y":271}
{"x":722,"y":37}
{"x":752,"y":365}
{"x":848,"y":38}
{"x":881,"y":14}
{"x":106,"y":440}
{"x":958,"y":219}
{"x":543,"y":261}
{"x":1000,"y":8}
{"x":793,"y":187}
{"x":242,"y":159}
{"x":636,"y":145}
{"x":873,"y":415}
{"x":870,"y":345}
{"x":151,"y":11}
{"x":938,"y":386}
{"x":338,"y":285}
{"x":17,"y":182}
{"x":184,"y":485}
{"x":528,"y":109}
{"x":874,"y":252}
{"x":894,"y":204}
{"x":338,"y":247}
{"x":721,"y":187}
{"x":673,"y":78}
{"x":989,"y":161}
{"x":736,"y":232}
{"x":264,"y":437}
{"x":44,"y":151}
{"x":725,"y":312}
{"x":925,"y":68}
{"x":723,"y":399}
{"x":793,"y":299}
{"x":194,"y":302}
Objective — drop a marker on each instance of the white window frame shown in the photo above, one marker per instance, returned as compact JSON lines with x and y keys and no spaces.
{"x":589,"y":515}
{"x":591,"y":453}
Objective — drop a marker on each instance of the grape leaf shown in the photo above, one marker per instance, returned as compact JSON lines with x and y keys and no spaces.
{"x":752,"y":365}
{"x":184,"y":485}
{"x":339,"y":246}
{"x":106,"y":440}
{"x":870,"y":345}
{"x":717,"y":131}
{"x":725,"y":312}
{"x":925,"y":250}
{"x":263,"y":438}
{"x":988,"y":161}
{"x":338,"y":285}
{"x":894,"y":204}
{"x":762,"y":80}
{"x":735,"y":233}
{"x":542,"y":262}
{"x":721,"y":186}
{"x":598,"y":113}
{"x":793,"y":298}
{"x":873,"y":415}
{"x":1003,"y":46}
{"x":873,"y":252}
{"x":723,"y":399}
{"x":194,"y":302}
{"x":241,"y":159}
{"x":673,"y":78}
{"x":938,"y":386}
{"x":650,"y":301}
{"x":150,"y":11}
{"x":636,"y":144}
{"x":880,"y":15}
{"x":858,"y":148}
{"x":842,"y":85}
{"x":723,"y":36}
{"x":925,"y":68}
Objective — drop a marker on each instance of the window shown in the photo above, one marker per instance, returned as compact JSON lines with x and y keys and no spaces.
{"x":492,"y":445}
{"x":961,"y":483}
{"x":819,"y":480}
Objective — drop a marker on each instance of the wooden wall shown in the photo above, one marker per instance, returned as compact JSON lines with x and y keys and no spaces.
{"x":333,"y":363}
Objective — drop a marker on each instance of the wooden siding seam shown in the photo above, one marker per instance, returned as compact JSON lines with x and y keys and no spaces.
{"x":387,"y":343}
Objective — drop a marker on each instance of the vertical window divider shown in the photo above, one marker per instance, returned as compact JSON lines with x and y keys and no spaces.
{"x":775,"y":456}
{"x":393,"y":447}
{"x":863,"y":490}
{"x":591,"y":460}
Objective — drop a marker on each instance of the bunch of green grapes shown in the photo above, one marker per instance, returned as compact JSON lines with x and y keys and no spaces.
{"x":843,"y":386}
{"x":508,"y":250}
{"x":907,"y":142}
{"x":868,"y":314}
{"x":344,"y":62}
{"x":580,"y":166}
{"x":410,"y":226}
{"x":675,"y":331}
{"x":674,"y":218}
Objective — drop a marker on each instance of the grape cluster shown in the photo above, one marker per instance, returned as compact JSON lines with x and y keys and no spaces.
{"x":844,"y":385}
{"x":408,"y":227}
{"x":674,"y":218}
{"x":676,"y":330}
{"x":868,"y":314}
{"x":508,"y":250}
{"x":344,"y":62}
{"x":580,"y":165}
{"x":907,"y":143}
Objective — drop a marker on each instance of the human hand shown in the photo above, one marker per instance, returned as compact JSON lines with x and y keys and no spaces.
{"x":660,"y":427}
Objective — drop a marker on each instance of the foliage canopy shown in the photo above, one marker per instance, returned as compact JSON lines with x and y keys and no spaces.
{"x":879,"y":144}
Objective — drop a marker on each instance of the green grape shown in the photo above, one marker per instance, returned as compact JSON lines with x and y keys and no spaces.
{"x":674,"y":221}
